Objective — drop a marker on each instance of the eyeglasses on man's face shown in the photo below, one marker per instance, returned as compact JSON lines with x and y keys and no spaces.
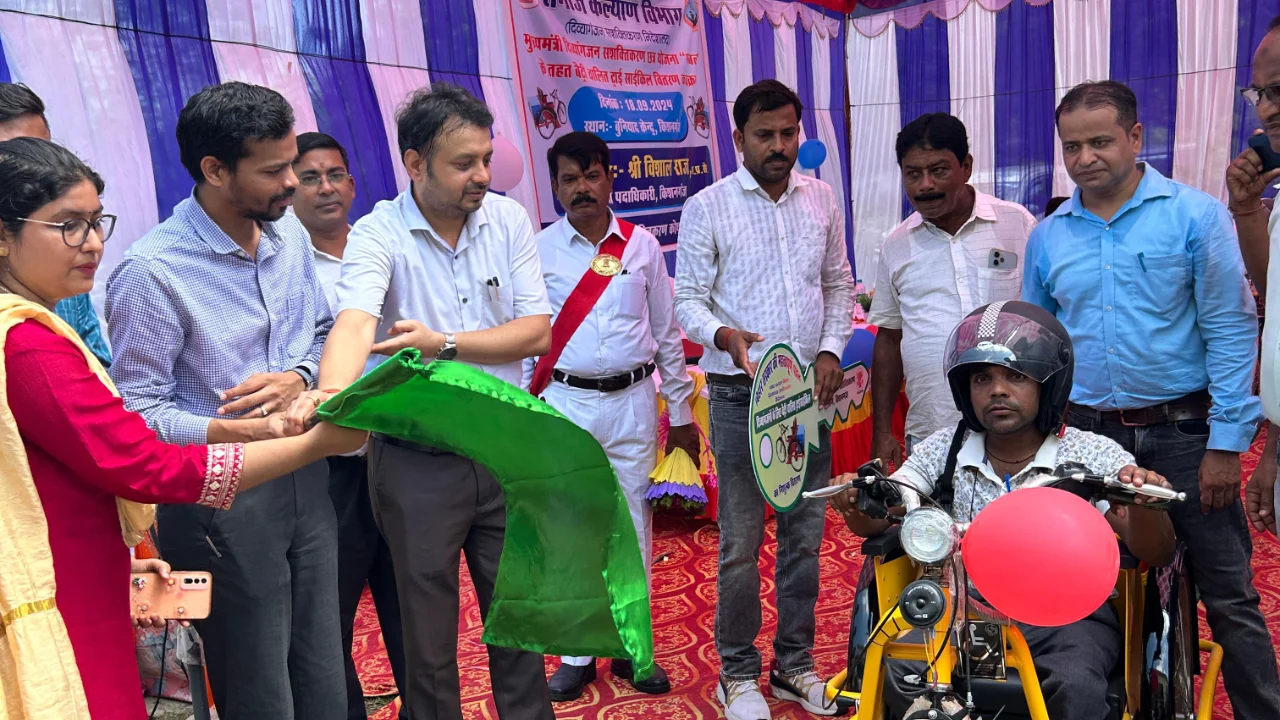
{"x":313,"y":180}
{"x":1254,"y":95}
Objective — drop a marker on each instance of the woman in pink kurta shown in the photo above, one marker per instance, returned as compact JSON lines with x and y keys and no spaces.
{"x":83,"y":449}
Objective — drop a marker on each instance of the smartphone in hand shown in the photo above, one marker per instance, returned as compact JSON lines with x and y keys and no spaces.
{"x":184,"y":596}
{"x":1261,"y":144}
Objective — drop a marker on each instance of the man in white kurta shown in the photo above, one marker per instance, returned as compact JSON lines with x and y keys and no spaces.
{"x":602,"y":378}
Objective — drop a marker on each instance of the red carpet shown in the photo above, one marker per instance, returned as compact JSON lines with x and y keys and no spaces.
{"x":684,"y":613}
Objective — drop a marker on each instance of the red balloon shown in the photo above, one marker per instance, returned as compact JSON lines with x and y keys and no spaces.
{"x":1042,"y":556}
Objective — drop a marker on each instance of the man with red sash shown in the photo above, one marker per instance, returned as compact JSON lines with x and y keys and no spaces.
{"x":614,"y":324}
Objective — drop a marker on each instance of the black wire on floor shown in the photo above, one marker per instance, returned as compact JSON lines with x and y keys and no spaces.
{"x":164,"y":652}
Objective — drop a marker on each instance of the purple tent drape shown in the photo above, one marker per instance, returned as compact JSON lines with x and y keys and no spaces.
{"x":167,"y":46}
{"x":924,"y":74}
{"x":1024,"y":105}
{"x":331,"y":50}
{"x":762,"y":60}
{"x":453,"y":52}
{"x":1144,"y":56}
{"x":723,"y":126}
{"x":804,"y":83}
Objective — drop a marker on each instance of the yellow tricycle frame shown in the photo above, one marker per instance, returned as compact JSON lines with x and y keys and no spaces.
{"x":892,"y":578}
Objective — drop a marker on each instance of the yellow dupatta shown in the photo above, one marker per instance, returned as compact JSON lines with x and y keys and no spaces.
{"x":39,"y":679}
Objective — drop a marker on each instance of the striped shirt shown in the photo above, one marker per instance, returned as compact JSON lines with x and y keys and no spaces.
{"x":777,"y":269}
{"x":191,"y":315}
{"x":928,"y":281}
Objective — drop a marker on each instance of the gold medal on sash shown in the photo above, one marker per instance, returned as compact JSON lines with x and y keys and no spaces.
{"x":606,"y":265}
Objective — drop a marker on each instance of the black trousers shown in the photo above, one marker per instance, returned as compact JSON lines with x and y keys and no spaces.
{"x":363,"y":558}
{"x":1220,"y":550}
{"x":432,"y":506}
{"x":272,"y":643}
{"x":1073,"y":664}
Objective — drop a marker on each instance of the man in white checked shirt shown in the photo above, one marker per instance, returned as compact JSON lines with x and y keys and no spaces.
{"x":612,"y":332}
{"x":762,"y":260}
{"x":961,"y":249}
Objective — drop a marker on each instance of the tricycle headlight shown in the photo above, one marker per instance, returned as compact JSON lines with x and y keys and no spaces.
{"x":929,"y":535}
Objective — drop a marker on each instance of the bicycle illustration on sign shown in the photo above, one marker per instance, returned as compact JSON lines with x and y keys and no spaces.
{"x":549,"y":113}
{"x":700,"y":118}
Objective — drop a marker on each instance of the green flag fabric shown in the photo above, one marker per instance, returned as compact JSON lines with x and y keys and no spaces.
{"x":571,"y":580}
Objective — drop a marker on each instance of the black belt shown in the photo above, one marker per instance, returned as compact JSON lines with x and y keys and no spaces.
{"x":608,"y":384}
{"x":1189,"y":407}
{"x":739,"y":379}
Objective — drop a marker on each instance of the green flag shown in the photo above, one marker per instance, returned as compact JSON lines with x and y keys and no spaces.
{"x":571,"y":580}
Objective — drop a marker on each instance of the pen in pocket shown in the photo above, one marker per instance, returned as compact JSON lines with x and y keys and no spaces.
{"x":1142,"y":260}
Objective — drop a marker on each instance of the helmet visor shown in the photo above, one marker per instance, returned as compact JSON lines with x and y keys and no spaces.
{"x":1011,"y":340}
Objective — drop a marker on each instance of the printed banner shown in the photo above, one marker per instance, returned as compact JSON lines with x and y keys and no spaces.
{"x":632,"y":72}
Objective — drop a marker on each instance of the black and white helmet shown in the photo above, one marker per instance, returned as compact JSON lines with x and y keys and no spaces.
{"x":1022,"y":337}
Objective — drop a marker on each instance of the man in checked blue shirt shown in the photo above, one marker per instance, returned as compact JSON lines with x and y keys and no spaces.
{"x":217,"y":320}
{"x":1145,"y":274}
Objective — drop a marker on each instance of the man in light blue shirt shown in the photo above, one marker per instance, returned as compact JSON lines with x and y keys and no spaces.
{"x":1146,"y":275}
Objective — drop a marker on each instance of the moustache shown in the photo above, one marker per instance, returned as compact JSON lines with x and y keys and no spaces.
{"x":930,"y":197}
{"x":476,"y":187}
{"x":1003,"y":406}
{"x":777,"y":157}
{"x":584,"y":200}
{"x":286,"y":195}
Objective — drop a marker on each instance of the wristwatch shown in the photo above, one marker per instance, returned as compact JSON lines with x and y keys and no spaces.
{"x":307,"y":378}
{"x":449,"y":350}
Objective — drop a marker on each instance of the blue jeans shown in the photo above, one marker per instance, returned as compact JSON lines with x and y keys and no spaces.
{"x":1220,"y":549}
{"x":741,"y":509}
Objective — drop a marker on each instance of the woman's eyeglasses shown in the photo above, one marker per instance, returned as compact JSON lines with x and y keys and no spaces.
{"x":75,"y":232}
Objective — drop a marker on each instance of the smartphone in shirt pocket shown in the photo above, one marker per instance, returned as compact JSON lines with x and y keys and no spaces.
{"x":1001,"y":276}
{"x":999,"y":259}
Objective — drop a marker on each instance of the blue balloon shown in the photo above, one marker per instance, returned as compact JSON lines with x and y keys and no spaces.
{"x":812,"y":154}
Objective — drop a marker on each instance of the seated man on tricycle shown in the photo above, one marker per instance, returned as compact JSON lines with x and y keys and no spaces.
{"x":1010,"y":366}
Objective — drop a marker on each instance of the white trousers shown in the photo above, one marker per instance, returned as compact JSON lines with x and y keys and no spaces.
{"x":625,"y":423}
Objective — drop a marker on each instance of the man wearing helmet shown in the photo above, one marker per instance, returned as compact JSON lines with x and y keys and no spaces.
{"x":1009,"y":365}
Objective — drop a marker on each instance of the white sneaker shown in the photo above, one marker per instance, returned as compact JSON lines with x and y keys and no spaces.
{"x":742,"y":700}
{"x":805,"y":688}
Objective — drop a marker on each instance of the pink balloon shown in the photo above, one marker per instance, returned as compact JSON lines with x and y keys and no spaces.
{"x":1042,"y":556}
{"x":507,"y":167}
